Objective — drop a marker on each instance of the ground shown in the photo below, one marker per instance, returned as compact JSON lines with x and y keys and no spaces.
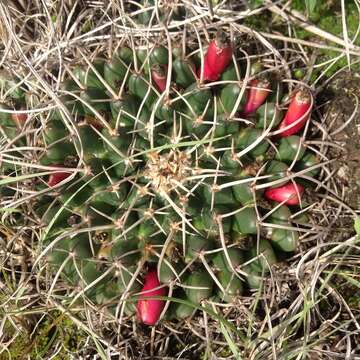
{"x":343,"y":104}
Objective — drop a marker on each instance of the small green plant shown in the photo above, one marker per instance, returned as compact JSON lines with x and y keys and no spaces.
{"x":253,"y":4}
{"x":56,"y":330}
{"x":357,"y":226}
{"x":310,"y":6}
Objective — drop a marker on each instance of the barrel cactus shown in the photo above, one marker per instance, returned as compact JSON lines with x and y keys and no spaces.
{"x":171,"y":163}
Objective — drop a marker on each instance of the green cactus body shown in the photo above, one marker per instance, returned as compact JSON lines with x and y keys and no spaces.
{"x":124,"y":112}
{"x":281,"y":214}
{"x":200,"y":285}
{"x":91,"y":142}
{"x":159,"y":55}
{"x":205,"y":220}
{"x":230,"y":74}
{"x":198,"y":97}
{"x":7,"y":125}
{"x":55,"y":130}
{"x":164,"y":111}
{"x":178,"y":310}
{"x":196,"y":244}
{"x":183,"y":311}
{"x":211,"y":193}
{"x":230,"y":161}
{"x":243,"y":192}
{"x":88,"y":78}
{"x":308,"y":160}
{"x":58,"y":152}
{"x":76,"y":194}
{"x":13,"y":87}
{"x":302,"y":218}
{"x":267,"y":114}
{"x":248,"y":136}
{"x":169,"y":271}
{"x":278,"y":170}
{"x":144,"y":60}
{"x":220,"y":261}
{"x":125,"y":54}
{"x":80,"y":259}
{"x":285,"y":240}
{"x":113,"y":290}
{"x":254,"y":279}
{"x":94,"y":98}
{"x":232,"y":285}
{"x":289,"y":148}
{"x":60,"y":220}
{"x":145,"y":16}
{"x":115,"y":72}
{"x":245,"y":221}
{"x":125,"y":251}
{"x":265,"y":257}
{"x":5,"y":117}
{"x":70,"y":101}
{"x":140,"y":87}
{"x":183,"y":72}
{"x":112,"y":195}
{"x":153,"y":178}
{"x":229,"y":97}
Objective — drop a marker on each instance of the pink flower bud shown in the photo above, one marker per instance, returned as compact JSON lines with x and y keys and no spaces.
{"x":298,"y":113}
{"x":217,"y":58}
{"x":290,"y":193}
{"x":56,"y":177}
{"x":19,"y":118}
{"x":256,"y":95}
{"x":149,"y":310}
{"x":159,"y":76}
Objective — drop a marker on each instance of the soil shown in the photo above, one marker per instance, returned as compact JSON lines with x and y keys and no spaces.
{"x":343,"y":92}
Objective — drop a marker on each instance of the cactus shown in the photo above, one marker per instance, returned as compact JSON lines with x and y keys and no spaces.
{"x":159,"y":178}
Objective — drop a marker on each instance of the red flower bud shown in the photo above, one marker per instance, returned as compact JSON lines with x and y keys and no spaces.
{"x":159,"y":76}
{"x":256,"y":95}
{"x":209,"y":74}
{"x":290,"y":193}
{"x":19,"y":118}
{"x":57,"y":177}
{"x":149,"y":310}
{"x":217,"y":58}
{"x":298,"y":113}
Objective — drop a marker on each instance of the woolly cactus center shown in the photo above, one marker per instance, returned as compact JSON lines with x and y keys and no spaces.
{"x":168,"y":170}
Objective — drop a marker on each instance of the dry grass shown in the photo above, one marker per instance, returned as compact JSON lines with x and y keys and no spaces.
{"x":303,"y":311}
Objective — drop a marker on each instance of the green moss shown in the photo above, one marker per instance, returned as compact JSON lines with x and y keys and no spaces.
{"x":327,"y":16}
{"x":258,"y":23}
{"x":330,"y":20}
{"x":225,"y":352}
{"x":16,"y":349}
{"x":322,"y":8}
{"x":55,"y":329}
